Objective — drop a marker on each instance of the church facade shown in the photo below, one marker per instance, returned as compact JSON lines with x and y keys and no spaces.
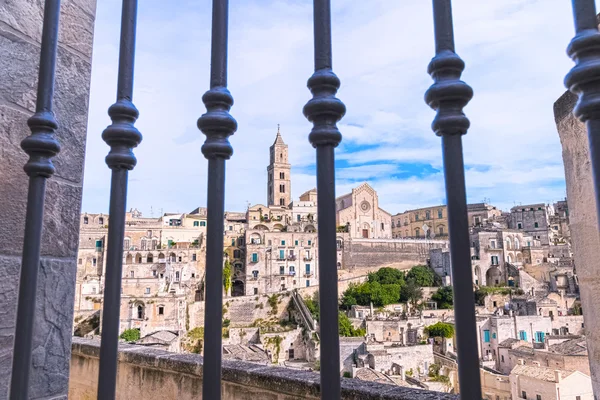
{"x":359,"y":213}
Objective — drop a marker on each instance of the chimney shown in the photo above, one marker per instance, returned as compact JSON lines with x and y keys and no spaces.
{"x":557,"y":376}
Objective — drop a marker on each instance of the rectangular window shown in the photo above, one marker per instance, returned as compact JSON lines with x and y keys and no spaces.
{"x":132,"y":274}
{"x":154,"y":273}
{"x":233,"y":242}
{"x":193,"y":274}
{"x":486,"y":336}
{"x":519,"y":225}
{"x":536,"y":225}
{"x":310,"y":242}
{"x":502,"y":357}
{"x":382,"y":226}
{"x":523,"y":394}
{"x":230,"y":227}
{"x":98,"y":243}
{"x":440,"y":213}
{"x":283,"y":242}
{"x":254,"y":257}
{"x":494,"y":335}
{"x":255,"y":290}
{"x":494,"y":260}
{"x":161,"y":310}
{"x":292,"y":270}
{"x":176,"y":276}
{"x":538,"y":397}
{"x":281,"y":254}
{"x":147,"y":290}
{"x":193,"y":256}
{"x":80,"y":261}
{"x":307,"y":282}
{"x":427,"y":215}
{"x":296,"y":243}
{"x":308,"y":268}
{"x":416,"y":217}
{"x":281,"y":270}
{"x":93,"y":290}
{"x":202,"y":223}
{"x":196,"y":223}
{"x":523,"y":335}
{"x":493,"y":244}
{"x":539,"y":337}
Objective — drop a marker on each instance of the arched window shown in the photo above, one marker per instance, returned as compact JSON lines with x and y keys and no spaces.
{"x":149,"y":258}
{"x":126,"y":244}
{"x":508,"y":244}
{"x":417,"y":232}
{"x":140,"y":311}
{"x":144,"y":244}
{"x":509,"y":258}
{"x":128,"y":259}
{"x":441,"y":230}
{"x":173,"y":257}
{"x":282,"y":202}
{"x":517,"y":244}
{"x":154,"y":244}
{"x":85,"y":220}
{"x":100,"y":221}
{"x":138,"y":258}
{"x":281,"y":156}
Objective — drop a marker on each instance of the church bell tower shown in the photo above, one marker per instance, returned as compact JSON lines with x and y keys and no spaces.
{"x":279,"y":185}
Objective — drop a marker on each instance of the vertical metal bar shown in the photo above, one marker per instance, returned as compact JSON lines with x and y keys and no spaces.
{"x":41,"y":146}
{"x":217,"y":124}
{"x":584,"y":80}
{"x":448,"y":96}
{"x":324,"y":110}
{"x":122,"y":136}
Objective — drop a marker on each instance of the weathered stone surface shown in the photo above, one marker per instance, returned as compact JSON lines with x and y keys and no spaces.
{"x":583,"y":223}
{"x":70,"y":100}
{"x":143,"y":372}
{"x":76,"y":22}
{"x":20,"y":30}
{"x":52,"y":334}
{"x":9,"y":275}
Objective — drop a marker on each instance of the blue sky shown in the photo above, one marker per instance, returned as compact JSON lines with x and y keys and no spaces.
{"x":515,"y":61}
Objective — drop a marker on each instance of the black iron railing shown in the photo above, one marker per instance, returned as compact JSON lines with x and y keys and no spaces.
{"x":448,"y":95}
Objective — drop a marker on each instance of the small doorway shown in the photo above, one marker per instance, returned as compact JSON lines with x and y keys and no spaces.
{"x":291,"y":354}
{"x":365,"y":233}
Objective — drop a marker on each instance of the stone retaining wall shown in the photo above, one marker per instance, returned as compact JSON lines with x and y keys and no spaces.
{"x":145,"y":373}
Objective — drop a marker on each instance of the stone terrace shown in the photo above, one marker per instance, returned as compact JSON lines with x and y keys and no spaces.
{"x":143,"y":372}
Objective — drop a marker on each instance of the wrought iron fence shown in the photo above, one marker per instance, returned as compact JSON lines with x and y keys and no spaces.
{"x":448,"y":95}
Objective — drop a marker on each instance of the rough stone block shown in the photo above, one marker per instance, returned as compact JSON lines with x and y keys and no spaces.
{"x":76,"y":22}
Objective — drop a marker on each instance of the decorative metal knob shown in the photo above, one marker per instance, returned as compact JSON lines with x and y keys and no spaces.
{"x":324,"y":110}
{"x":41,"y":145}
{"x":217,"y":124}
{"x":122,"y":136}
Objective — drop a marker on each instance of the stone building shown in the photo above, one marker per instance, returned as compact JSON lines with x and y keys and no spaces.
{"x":533,"y":219}
{"x":537,"y":382}
{"x":277,"y":261}
{"x":163,"y":268}
{"x":428,"y":222}
{"x":481,"y":214}
{"x":359,"y":212}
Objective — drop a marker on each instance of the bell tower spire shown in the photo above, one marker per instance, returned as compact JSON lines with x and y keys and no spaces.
{"x":279,"y":185}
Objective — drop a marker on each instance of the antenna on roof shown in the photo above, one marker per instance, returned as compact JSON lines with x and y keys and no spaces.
{"x":151,"y":212}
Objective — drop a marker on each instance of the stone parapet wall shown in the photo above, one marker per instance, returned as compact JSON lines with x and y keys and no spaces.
{"x":144,"y":372}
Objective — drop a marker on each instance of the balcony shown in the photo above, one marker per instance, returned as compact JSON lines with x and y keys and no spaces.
{"x":143,"y":371}
{"x":309,"y":258}
{"x":292,"y":273}
{"x":291,"y":257}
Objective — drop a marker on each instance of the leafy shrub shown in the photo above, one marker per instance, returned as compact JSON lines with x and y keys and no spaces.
{"x":130,"y":335}
{"x":440,"y":329}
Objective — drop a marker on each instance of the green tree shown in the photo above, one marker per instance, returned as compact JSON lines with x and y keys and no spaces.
{"x":346,"y":329}
{"x":443,"y":297}
{"x":312,"y":303}
{"x":411,"y":293}
{"x":422,"y":275}
{"x":130,"y":335}
{"x":440,"y":329}
{"x":387,"y":276}
{"x":227,"y":276}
